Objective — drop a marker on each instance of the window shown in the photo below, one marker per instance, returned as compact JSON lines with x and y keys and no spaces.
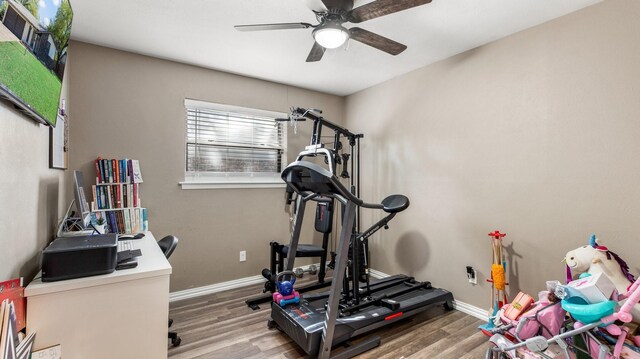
{"x":232,"y":147}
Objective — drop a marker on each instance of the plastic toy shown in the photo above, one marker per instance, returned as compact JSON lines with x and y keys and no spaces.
{"x":595,"y":258}
{"x":593,"y":288}
{"x":597,"y":325}
{"x":498,"y":280}
{"x":520,"y":304}
{"x":286,"y":294}
{"x":544,"y":318}
{"x":587,"y":313}
{"x":601,"y":326}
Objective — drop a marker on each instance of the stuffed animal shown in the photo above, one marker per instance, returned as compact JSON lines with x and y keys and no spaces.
{"x":594,"y":258}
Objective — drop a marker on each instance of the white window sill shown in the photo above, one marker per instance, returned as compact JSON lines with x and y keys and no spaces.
{"x":233,"y":184}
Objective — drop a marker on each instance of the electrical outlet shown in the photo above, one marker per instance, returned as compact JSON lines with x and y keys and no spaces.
{"x":243,"y":256}
{"x":474,"y":280}
{"x":472,"y":275}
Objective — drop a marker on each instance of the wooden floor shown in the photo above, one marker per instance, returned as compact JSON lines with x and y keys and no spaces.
{"x":221,"y":326}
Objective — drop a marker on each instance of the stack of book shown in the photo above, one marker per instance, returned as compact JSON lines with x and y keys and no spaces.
{"x":116,"y":195}
{"x":124,"y":221}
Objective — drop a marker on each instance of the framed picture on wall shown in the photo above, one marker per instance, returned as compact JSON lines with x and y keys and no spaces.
{"x":58,"y":144}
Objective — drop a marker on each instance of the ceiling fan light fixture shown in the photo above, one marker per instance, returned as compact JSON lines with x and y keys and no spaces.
{"x":331,"y":35}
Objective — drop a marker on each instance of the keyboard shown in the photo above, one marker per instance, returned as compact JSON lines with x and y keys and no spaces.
{"x":125,"y":246}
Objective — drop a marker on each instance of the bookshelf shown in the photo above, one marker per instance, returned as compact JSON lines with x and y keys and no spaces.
{"x":116,"y":196}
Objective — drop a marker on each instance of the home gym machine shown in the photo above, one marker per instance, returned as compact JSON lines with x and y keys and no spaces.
{"x":350,"y":308}
{"x":335,"y":156}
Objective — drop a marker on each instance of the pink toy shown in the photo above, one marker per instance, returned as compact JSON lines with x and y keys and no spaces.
{"x":605,"y":336}
{"x":283,"y":300}
{"x":608,"y":327}
{"x":544,"y":318}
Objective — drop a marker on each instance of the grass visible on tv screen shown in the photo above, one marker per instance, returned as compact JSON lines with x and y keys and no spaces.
{"x":29,"y":79}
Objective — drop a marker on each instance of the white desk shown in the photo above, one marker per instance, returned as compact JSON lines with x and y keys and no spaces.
{"x":120,"y":315}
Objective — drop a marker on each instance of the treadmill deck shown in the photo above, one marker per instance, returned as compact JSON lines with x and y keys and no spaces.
{"x":304,"y":322}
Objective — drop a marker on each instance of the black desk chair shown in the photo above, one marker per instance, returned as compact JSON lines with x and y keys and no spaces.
{"x":168,"y":244}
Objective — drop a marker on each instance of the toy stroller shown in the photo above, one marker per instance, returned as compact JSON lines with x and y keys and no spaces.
{"x":594,"y":323}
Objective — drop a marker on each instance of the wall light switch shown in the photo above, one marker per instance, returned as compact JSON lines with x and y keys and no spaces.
{"x":243,"y":256}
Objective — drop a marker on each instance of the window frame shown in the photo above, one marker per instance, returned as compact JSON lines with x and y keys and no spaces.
{"x":230,"y":180}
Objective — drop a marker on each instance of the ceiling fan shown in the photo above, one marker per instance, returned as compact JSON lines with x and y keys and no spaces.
{"x":330,"y":33}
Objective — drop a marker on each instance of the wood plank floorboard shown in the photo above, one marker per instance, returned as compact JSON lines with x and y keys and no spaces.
{"x":221,"y":326}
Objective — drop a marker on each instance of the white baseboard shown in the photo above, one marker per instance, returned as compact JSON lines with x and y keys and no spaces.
{"x":215,"y":288}
{"x":472,"y":310}
{"x":377,"y":274}
{"x":243,"y":282}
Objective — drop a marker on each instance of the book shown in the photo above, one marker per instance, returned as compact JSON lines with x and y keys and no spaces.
{"x":116,"y":222}
{"x":119,"y":166}
{"x":127,"y":221}
{"x":145,"y":224}
{"x":103,"y":197}
{"x":120,"y":222}
{"x":107,"y":171}
{"x":118,"y":196}
{"x":135,"y":195}
{"x":123,"y":166}
{"x":130,"y":168}
{"x":137,"y":175}
{"x":112,"y":222}
{"x":94,"y":204}
{"x":98,"y":174}
{"x":114,"y":167}
{"x":111,"y":174}
{"x":108,"y":197}
{"x":132,"y":216}
{"x":136,"y":219}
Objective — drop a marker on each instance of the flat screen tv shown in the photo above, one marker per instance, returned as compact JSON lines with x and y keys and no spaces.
{"x":34,"y":35}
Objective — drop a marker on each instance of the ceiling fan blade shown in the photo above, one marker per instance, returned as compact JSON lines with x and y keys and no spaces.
{"x":379,"y":8}
{"x":316,"y":53}
{"x":316,"y":5}
{"x":282,"y":26}
{"x":344,"y":5}
{"x":374,"y":40}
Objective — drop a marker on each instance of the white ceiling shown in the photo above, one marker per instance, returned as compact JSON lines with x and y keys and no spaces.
{"x":200,"y":32}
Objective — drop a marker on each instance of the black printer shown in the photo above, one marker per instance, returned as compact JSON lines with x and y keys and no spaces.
{"x":81,"y":256}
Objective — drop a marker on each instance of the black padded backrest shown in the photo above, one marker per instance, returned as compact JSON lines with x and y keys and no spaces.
{"x":305,"y":176}
{"x":395,"y":203}
{"x":168,"y":244}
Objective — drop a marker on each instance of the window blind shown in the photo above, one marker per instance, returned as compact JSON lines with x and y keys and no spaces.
{"x":233,"y":142}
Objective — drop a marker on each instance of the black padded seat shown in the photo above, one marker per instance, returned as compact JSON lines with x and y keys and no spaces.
{"x":395,"y":203}
{"x":304,"y":250}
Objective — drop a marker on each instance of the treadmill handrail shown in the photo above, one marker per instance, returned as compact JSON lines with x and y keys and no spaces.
{"x":331,"y":179}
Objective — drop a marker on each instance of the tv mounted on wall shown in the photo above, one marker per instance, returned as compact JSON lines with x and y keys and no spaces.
{"x":34,"y":35}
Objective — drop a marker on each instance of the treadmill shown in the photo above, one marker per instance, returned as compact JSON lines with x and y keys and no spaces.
{"x":350,"y":308}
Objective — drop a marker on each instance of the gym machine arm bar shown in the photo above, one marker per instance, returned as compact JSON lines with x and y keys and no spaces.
{"x":376,"y":227}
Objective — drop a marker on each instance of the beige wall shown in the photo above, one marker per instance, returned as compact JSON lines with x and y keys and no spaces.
{"x":127,"y":105}
{"x":536,"y":135}
{"x":31,"y":194}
